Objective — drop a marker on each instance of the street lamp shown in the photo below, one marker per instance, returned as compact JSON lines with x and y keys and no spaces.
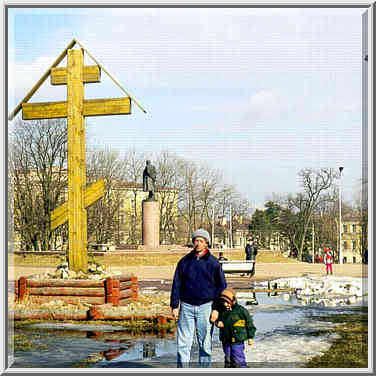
{"x":340,"y":217}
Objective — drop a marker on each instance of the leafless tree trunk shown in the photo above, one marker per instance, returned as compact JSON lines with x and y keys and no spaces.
{"x":38,"y":169}
{"x":134,"y":167}
{"x":103,"y":214}
{"x":315,"y":183}
{"x":169,"y":185}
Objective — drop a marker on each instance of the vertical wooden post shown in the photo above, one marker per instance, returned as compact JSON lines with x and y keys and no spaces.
{"x":21,"y":288}
{"x":134,"y":287}
{"x":108,"y":290}
{"x":76,"y":163}
{"x":115,"y":292}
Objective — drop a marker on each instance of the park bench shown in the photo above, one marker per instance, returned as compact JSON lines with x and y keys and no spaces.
{"x":238,"y":266}
{"x":100,"y":247}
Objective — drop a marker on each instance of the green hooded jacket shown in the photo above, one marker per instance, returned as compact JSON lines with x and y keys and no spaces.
{"x":238,"y":325}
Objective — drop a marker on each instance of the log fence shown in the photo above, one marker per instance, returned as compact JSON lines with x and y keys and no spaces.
{"x":117,"y":290}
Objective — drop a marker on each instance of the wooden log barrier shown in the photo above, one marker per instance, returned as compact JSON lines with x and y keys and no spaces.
{"x":64,"y":283}
{"x":128,"y":288}
{"x":126,"y":293}
{"x":94,"y":314}
{"x":126,"y":285}
{"x":68,"y":299}
{"x":21,"y":288}
{"x":108,"y":290}
{"x":134,"y":287}
{"x":126,"y":301}
{"x":66,"y":291}
{"x":115,"y":290}
{"x":123,"y":277}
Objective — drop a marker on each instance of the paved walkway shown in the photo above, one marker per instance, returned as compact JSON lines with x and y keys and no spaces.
{"x":263,"y":271}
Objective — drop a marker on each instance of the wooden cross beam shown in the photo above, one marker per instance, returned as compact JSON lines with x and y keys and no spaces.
{"x":75,"y":75}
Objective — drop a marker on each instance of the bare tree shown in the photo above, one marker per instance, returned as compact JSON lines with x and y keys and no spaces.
{"x":38,"y":170}
{"x":188,"y":204}
{"x":316,"y":184}
{"x":169,"y":185}
{"x":210,"y":180}
{"x":103,"y":214}
{"x":134,"y":166}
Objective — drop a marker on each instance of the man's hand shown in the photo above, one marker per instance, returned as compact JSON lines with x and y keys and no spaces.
{"x":220,"y":324}
{"x":214,"y":316}
{"x":251,"y":341}
{"x":175,"y":313}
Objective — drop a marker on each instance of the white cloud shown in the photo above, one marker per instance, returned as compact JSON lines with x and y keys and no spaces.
{"x":279,"y":70}
{"x":266,"y":100}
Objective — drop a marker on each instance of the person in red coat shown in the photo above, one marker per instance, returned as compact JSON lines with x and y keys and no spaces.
{"x":328,"y":260}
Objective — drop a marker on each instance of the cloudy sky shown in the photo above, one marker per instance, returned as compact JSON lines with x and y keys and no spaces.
{"x":257,"y":93}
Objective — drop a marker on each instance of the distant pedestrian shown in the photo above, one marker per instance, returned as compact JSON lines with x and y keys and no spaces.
{"x":221,"y":257}
{"x":235,"y":327}
{"x":365,"y":256}
{"x":328,"y":260}
{"x":250,"y":251}
{"x":250,"y":255}
{"x":197,"y":286}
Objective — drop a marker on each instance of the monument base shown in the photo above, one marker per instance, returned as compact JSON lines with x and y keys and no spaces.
{"x":150,"y":223}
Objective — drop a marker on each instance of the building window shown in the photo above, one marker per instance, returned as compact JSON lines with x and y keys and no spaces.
{"x":344,"y":228}
{"x":353,"y":228}
{"x":345,"y":244}
{"x":121,"y":202}
{"x":354,"y":244}
{"x":122,"y":219}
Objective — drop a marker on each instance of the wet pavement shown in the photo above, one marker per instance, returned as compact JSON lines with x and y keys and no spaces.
{"x":284,"y":339}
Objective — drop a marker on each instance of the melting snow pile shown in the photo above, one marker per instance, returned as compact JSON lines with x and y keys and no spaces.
{"x":326,"y":291}
{"x":95,"y":271}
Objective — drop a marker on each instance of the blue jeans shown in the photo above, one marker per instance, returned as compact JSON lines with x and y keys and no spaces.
{"x":234,"y":355}
{"x":194,"y":319}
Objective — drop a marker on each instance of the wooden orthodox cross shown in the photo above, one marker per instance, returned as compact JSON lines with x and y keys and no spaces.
{"x":75,"y":75}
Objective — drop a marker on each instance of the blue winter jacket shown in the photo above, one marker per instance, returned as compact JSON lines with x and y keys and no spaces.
{"x":197,"y":280}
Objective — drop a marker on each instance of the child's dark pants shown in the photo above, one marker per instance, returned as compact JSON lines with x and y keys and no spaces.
{"x":234,"y":356}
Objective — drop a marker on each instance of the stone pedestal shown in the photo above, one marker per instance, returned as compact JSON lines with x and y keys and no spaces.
{"x":150,"y":223}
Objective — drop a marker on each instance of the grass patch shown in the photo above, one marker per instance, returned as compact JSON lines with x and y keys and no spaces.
{"x":144,"y":259}
{"x":350,"y":350}
{"x":21,"y":342}
{"x":37,"y":260}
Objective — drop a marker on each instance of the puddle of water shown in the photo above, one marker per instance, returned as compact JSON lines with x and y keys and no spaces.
{"x":283,"y":339}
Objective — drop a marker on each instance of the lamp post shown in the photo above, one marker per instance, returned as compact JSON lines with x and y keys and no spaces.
{"x":230,"y":227}
{"x":313,"y":242}
{"x":340,"y":217}
{"x":213,"y":232}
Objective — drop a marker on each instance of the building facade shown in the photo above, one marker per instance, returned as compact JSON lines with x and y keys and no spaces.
{"x":120,"y":213}
{"x":351,"y":239}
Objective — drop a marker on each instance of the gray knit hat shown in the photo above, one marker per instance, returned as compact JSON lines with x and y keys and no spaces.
{"x":202,"y":234}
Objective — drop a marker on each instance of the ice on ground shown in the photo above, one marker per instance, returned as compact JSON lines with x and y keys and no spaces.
{"x":287,"y":348}
{"x":328,"y":285}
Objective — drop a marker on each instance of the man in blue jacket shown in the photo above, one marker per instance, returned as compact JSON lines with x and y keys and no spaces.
{"x":197,"y":286}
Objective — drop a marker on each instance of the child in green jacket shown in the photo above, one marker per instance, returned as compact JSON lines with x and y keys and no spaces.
{"x":235,"y":327}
